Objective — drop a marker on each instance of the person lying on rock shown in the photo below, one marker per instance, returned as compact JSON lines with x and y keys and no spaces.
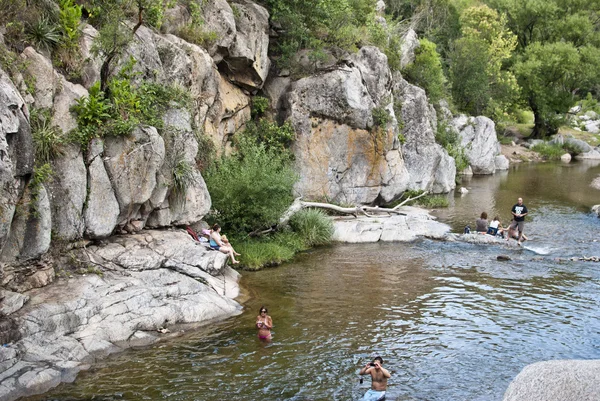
{"x":217,"y":243}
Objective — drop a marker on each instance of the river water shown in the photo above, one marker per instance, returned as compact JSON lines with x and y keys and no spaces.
{"x":450,"y":321}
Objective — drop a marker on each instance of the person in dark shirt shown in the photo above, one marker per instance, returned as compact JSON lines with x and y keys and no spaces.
{"x":519,"y":211}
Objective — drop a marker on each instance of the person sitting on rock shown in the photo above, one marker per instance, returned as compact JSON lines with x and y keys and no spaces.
{"x":481,"y":225}
{"x":217,"y":243}
{"x":495,"y":227}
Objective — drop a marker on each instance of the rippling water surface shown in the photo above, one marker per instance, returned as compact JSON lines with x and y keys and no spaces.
{"x":451,"y":322}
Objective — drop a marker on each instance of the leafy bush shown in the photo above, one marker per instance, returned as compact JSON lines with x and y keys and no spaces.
{"x":48,"y":140}
{"x":449,"y":139}
{"x":426,"y":71}
{"x":126,"y":106}
{"x":269,"y":251}
{"x":313,"y":226}
{"x":251,"y":188}
{"x":381,"y":117}
{"x":260,"y":104}
{"x":183,"y":177}
{"x":270,"y":134}
{"x":549,"y":151}
{"x":70,"y":19}
{"x":42,"y":34}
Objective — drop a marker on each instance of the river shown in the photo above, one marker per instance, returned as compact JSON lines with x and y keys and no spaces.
{"x":450,"y":321}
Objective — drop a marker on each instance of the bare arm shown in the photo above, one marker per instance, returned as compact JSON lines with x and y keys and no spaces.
{"x":365,"y":369}
{"x":386,"y":373}
{"x":217,"y":238}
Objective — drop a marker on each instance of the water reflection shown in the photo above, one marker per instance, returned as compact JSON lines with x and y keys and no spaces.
{"x":451,"y":321}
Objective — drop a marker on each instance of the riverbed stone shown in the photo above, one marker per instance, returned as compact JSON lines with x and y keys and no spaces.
{"x":596,"y":209}
{"x":560,"y":380}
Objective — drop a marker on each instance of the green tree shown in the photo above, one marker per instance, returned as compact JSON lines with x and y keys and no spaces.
{"x":481,"y":84}
{"x":571,"y":28}
{"x":426,"y":71}
{"x":552,"y":75}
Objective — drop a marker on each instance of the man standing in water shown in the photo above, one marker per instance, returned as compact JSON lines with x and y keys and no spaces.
{"x":379,"y":377}
{"x":519,"y":211}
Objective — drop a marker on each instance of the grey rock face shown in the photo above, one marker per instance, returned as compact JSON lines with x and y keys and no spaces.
{"x":410,"y":42}
{"x":68,"y":191}
{"x":247,"y":60}
{"x":190,"y":67}
{"x":30,"y":229}
{"x":567,"y":380}
{"x":16,"y":151}
{"x":101,"y":213}
{"x":478,"y":138}
{"x":91,"y":65}
{"x":219,"y":18}
{"x":132,"y":163}
{"x":596,"y":209}
{"x":11,"y":301}
{"x":429,"y":165}
{"x":340,"y":154}
{"x":76,"y":321}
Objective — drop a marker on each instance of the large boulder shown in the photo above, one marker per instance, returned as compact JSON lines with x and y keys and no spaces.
{"x":410,"y":43}
{"x":172,"y":202}
{"x":68,"y":193}
{"x":478,"y":139}
{"x":220,"y":19}
{"x":101,"y":212}
{"x":413,"y":224}
{"x":191,"y":67}
{"x":567,"y":380}
{"x":132,"y":164}
{"x":247,"y":61}
{"x":51,"y":90}
{"x":31,"y":227}
{"x":341,"y":154}
{"x":428,"y":164}
{"x":596,"y":183}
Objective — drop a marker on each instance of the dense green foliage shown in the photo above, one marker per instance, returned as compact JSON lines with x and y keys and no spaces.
{"x":308,"y":228}
{"x":126,"y":106}
{"x":252,"y":188}
{"x":314,"y":227}
{"x":426,"y":71}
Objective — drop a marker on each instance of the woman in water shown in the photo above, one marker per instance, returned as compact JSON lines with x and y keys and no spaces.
{"x":264,"y":323}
